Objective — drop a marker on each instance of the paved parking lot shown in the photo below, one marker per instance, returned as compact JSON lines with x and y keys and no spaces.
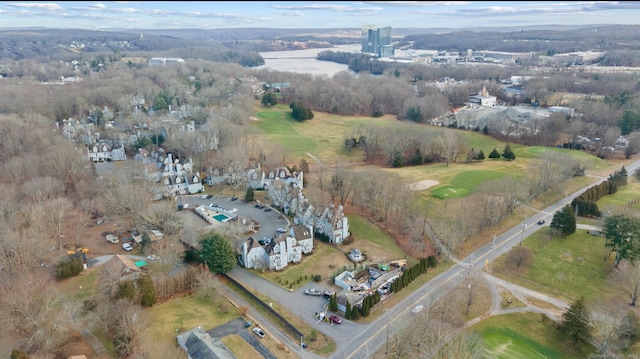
{"x":269,"y":221}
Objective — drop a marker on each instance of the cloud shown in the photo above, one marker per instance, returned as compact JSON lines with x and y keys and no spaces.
{"x":292,"y":13}
{"x":417,"y":3}
{"x":39,"y":6}
{"x":538,"y":8}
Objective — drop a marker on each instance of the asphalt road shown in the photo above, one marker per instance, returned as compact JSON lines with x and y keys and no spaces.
{"x":356,"y":340}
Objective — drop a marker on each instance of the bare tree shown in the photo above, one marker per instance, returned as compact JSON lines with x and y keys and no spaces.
{"x":519,"y":256}
{"x":607,"y":324}
{"x":57,"y":209}
{"x":128,"y":325}
{"x":450,"y":145}
{"x":32,"y":308}
{"x":170,"y":251}
{"x":626,"y":277}
{"x":163,"y":216}
{"x":42,"y":188}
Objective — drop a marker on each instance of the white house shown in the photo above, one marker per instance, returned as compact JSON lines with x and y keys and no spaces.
{"x":334,"y":224}
{"x":294,"y":250}
{"x":253,"y":254}
{"x":103,"y":152}
{"x":277,"y":253}
{"x":303,"y":234}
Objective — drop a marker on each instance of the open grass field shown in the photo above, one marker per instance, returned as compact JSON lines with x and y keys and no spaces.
{"x":323,"y":136}
{"x":523,"y":335}
{"x":621,"y":198}
{"x":566,"y":267}
{"x":182,"y":313}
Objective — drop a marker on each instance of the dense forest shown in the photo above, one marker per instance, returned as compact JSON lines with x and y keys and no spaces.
{"x":66,"y":45}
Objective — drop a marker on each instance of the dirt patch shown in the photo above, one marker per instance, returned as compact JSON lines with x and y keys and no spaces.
{"x":254,"y":118}
{"x":422,"y":185}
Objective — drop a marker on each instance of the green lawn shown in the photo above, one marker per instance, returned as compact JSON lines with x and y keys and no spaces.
{"x":625,"y":194}
{"x":465,"y":182}
{"x":567,"y":267}
{"x":522,"y":335}
{"x":363,"y":230}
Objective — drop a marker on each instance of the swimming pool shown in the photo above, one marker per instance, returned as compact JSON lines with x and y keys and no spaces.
{"x":220,"y":217}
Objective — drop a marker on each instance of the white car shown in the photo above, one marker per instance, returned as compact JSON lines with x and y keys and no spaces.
{"x":258,"y":332}
{"x":153,"y":257}
{"x":204,"y":197}
{"x":127,"y":247}
{"x":417,"y":309}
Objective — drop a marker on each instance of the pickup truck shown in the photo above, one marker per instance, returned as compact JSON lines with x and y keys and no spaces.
{"x":313,"y":292}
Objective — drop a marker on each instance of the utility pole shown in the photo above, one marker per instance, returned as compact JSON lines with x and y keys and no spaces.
{"x":387,"y":350}
{"x":524,"y":226}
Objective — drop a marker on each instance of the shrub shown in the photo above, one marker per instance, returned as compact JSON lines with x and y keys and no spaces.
{"x":69,"y":267}
{"x":317,"y":278}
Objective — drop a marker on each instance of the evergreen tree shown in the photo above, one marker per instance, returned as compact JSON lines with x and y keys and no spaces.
{"x":299,"y":112}
{"x":250,"y":195}
{"x":127,"y":289}
{"x":494,"y":154}
{"x":19,"y":354}
{"x":217,"y":253}
{"x":564,"y":221}
{"x":575,"y":323}
{"x":347,"y":311}
{"x":333,"y":303}
{"x":508,"y":153}
{"x":485,"y":130}
{"x":480,"y":155}
{"x":269,"y":99}
{"x":147,"y":291}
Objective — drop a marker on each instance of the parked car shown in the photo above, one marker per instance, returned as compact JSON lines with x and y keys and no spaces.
{"x":204,"y":196}
{"x":281,"y":230}
{"x":335,"y":319}
{"x":258,"y":332}
{"x":328,"y":293}
{"x":112,"y":239}
{"x":313,"y":292}
{"x":541,"y":222}
{"x":127,"y":247}
{"x":264,"y":241}
{"x":267,"y":209}
{"x":153,"y":257}
{"x":417,"y":309}
{"x":209,"y":196}
{"x":234,"y":198}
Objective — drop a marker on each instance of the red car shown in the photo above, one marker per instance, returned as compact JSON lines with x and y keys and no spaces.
{"x":335,"y":319}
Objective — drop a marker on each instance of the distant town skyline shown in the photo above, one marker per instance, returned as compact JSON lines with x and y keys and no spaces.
{"x":312,"y":15}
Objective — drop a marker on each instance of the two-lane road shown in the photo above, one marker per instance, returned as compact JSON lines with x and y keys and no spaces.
{"x":357,"y":340}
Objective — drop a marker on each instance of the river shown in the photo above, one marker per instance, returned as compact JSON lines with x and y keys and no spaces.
{"x":304,"y":61}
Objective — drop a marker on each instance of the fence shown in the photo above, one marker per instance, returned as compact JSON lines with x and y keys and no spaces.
{"x":293,"y":330}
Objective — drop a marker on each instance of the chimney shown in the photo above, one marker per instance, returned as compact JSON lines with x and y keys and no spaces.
{"x":484,"y":91}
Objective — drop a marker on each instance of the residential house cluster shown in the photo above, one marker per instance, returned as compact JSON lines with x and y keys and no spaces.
{"x":103,"y":152}
{"x":277,"y":253}
{"x":286,"y":192}
{"x":175,"y":177}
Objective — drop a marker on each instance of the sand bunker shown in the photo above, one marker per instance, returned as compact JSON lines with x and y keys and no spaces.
{"x":422,"y":185}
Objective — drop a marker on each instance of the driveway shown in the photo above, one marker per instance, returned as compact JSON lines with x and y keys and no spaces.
{"x":298,"y":304}
{"x":236,"y":326}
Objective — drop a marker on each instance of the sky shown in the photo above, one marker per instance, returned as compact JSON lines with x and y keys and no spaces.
{"x":308,"y":14}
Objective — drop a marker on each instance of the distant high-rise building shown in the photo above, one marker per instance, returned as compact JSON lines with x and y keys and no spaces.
{"x":377,"y":41}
